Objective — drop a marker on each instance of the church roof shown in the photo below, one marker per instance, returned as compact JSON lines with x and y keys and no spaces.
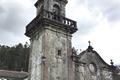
{"x":13,"y":74}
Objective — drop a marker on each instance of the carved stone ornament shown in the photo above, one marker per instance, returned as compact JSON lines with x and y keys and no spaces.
{"x":92,"y":68}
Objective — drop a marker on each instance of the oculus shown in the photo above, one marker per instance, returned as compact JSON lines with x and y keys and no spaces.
{"x":93,"y":68}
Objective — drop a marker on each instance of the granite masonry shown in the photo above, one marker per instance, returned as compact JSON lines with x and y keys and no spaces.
{"x":52,"y":56}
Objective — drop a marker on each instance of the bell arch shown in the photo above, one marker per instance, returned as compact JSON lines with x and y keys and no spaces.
{"x":56,"y":9}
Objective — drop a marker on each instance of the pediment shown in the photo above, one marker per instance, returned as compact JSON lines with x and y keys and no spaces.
{"x":92,"y":57}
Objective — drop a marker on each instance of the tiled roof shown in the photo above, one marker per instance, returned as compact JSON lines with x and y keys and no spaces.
{"x":13,"y":74}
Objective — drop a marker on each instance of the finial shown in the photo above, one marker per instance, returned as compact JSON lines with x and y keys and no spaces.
{"x":89,"y":43}
{"x":112,"y":63}
{"x":90,"y":48}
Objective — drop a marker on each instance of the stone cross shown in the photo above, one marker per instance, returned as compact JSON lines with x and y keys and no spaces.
{"x":89,"y":43}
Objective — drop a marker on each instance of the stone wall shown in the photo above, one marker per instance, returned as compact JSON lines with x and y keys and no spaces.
{"x":91,"y":66}
{"x":55,"y":46}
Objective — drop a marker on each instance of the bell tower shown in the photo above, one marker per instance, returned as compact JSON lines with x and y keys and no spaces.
{"x":50,"y":33}
{"x":56,"y":6}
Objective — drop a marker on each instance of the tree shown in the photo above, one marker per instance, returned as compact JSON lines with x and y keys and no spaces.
{"x":15,"y":57}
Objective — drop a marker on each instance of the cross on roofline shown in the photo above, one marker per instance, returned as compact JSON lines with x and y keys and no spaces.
{"x":89,"y":43}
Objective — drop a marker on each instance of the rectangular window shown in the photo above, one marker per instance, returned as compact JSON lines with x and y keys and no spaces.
{"x":59,"y":52}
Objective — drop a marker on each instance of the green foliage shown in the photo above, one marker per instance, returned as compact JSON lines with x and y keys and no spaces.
{"x":15,"y":57}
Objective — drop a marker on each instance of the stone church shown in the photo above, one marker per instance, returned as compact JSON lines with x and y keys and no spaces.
{"x":52,"y":56}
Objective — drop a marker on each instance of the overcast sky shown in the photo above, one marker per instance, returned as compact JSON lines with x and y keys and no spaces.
{"x":97,"y":21}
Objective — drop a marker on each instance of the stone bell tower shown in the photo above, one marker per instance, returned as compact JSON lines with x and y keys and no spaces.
{"x":50,"y":34}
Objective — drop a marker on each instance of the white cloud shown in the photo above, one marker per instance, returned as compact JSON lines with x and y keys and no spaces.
{"x":106,"y":41}
{"x":15,"y":15}
{"x":98,"y":21}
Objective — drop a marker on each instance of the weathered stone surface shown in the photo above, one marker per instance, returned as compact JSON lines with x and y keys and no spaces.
{"x":50,"y":33}
{"x":35,"y":58}
{"x":47,"y":43}
{"x":51,"y":55}
{"x":90,"y":66}
{"x":49,"y":5}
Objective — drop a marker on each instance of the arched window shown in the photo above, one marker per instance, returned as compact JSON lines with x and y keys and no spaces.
{"x":56,"y":9}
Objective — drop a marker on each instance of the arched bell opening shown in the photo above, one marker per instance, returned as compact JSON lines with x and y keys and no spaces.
{"x":56,"y":9}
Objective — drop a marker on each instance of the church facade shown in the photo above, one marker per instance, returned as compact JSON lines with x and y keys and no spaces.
{"x":90,"y":66}
{"x":52,"y":56}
